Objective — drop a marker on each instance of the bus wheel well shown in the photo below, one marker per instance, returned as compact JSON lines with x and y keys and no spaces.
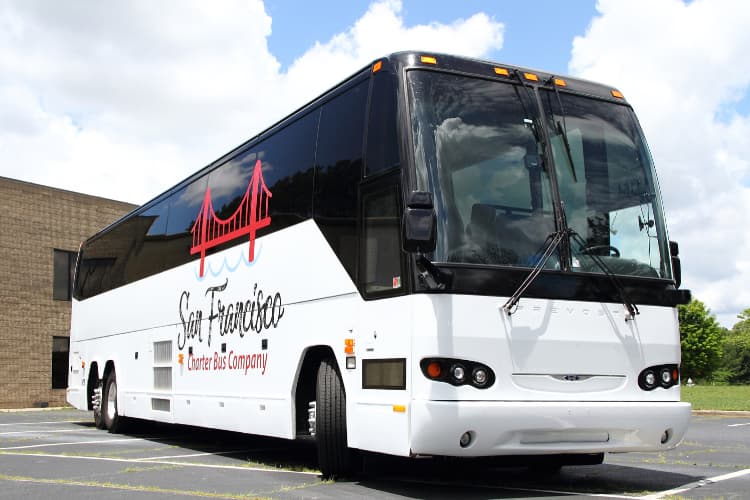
{"x":109,"y":367}
{"x":305,"y":387}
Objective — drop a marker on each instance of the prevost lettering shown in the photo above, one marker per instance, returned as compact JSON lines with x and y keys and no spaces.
{"x":259,"y":312}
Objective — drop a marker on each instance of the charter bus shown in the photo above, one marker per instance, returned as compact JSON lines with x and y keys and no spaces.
{"x":439,"y":256}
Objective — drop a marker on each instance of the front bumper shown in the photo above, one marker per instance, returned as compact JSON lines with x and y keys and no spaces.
{"x":538,"y":428}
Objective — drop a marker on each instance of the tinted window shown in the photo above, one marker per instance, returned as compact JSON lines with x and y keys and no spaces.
{"x":184,"y":207}
{"x":382,"y":130}
{"x":382,"y":242}
{"x":286,"y":159}
{"x":149,"y":248}
{"x":339,"y":170}
{"x":284,"y":186}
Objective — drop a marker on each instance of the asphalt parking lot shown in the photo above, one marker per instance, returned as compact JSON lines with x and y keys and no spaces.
{"x":60,"y":454}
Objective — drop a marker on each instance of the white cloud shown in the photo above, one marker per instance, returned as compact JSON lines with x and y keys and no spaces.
{"x":123,"y":100}
{"x":682,"y":66}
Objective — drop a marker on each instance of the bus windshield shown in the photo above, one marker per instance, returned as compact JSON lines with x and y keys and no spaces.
{"x":480,"y":150}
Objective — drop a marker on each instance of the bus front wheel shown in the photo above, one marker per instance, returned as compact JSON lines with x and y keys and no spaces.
{"x":334,"y":457}
{"x":110,"y":415}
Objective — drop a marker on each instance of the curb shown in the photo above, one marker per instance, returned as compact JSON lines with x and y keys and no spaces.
{"x":727,"y":413}
{"x":19,"y":410}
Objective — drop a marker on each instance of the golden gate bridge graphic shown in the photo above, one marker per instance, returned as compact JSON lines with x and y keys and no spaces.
{"x":252,"y":214}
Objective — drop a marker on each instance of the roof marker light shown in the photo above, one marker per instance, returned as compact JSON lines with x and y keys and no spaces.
{"x":377,"y":66}
{"x":428,"y":60}
{"x":502,"y":71}
{"x":618,"y":94}
{"x":531,"y":76}
{"x":560,"y":82}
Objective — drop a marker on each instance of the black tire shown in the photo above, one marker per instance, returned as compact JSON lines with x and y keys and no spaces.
{"x":99,"y":413}
{"x":110,"y":414}
{"x":334,"y":456}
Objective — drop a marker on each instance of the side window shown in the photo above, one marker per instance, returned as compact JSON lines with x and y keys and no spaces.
{"x":381,"y":241}
{"x":62,"y":280}
{"x":287,"y":159}
{"x":339,"y":171}
{"x":382,"y":132}
{"x":283,"y":184}
{"x":149,"y":246}
{"x":184,"y":207}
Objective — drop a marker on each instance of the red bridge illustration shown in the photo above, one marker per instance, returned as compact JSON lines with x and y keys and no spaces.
{"x":252,"y":214}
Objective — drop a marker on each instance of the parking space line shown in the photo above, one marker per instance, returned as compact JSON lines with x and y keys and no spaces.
{"x":86,"y":422}
{"x":46,"y":431}
{"x":205,"y":454}
{"x":70,"y":443}
{"x":738,"y":425}
{"x":697,"y":484}
{"x":162,"y":462}
{"x":127,"y":487}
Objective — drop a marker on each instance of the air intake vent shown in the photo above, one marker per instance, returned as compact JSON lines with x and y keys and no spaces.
{"x":163,"y":378}
{"x":159,"y":404}
{"x":162,"y":352}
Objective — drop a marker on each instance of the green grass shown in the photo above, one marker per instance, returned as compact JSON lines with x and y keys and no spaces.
{"x":718,"y":397}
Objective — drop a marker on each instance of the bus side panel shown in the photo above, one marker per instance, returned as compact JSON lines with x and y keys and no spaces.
{"x":220,"y":350}
{"x":378,"y":418}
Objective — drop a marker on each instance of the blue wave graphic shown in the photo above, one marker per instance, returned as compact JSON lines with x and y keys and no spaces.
{"x":225,"y":265}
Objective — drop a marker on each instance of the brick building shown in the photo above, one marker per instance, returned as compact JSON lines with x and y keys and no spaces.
{"x":40,"y":231}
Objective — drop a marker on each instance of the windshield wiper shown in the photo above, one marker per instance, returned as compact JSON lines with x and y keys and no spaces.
{"x":629,"y":305}
{"x":553,"y":241}
{"x":562,"y":130}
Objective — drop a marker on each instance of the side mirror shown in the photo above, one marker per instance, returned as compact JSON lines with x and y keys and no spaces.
{"x":419,"y":223}
{"x":674,"y":251}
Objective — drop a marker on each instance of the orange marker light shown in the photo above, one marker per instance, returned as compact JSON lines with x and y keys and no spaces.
{"x":399,"y":408}
{"x":428,"y":60}
{"x":531,"y":76}
{"x":433,"y":369}
{"x":502,"y":71}
{"x":349,"y":346}
{"x":180,"y":358}
{"x":618,"y":94}
{"x":377,"y":66}
{"x":560,"y":82}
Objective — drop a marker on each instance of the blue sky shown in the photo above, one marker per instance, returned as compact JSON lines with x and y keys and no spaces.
{"x":108,"y":98}
{"x":538,"y":33}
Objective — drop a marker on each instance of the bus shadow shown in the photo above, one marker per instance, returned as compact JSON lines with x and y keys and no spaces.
{"x":475,"y":478}
{"x":494,"y":478}
{"x":229,"y":448}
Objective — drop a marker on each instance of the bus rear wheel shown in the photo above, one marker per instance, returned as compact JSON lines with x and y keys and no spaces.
{"x":98,"y":404}
{"x":110,"y":414}
{"x":334,"y":456}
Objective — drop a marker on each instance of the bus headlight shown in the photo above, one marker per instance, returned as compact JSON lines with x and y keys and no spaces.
{"x":664,"y":376}
{"x":458,"y":372}
{"x":480,"y":376}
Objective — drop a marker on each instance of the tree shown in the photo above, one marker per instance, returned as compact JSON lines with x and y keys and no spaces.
{"x":736,"y":359}
{"x":700,"y":339}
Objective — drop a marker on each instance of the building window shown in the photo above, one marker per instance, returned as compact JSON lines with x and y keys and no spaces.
{"x":60,"y":349}
{"x":64,"y":266}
